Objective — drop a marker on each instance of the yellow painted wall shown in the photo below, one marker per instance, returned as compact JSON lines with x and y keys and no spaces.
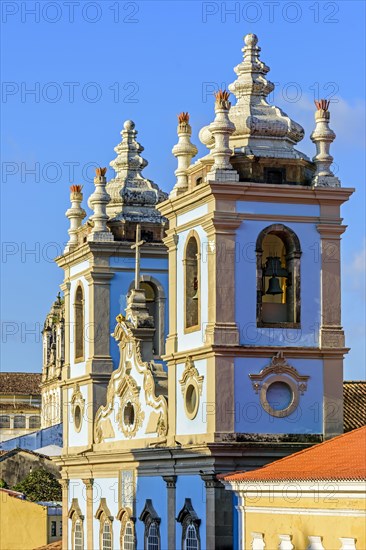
{"x":300,"y":526}
{"x":23,"y":524}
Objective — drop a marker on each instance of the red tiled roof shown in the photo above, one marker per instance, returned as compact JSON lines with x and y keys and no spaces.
{"x":354,"y":404}
{"x":340,"y":458}
{"x":20,"y":383}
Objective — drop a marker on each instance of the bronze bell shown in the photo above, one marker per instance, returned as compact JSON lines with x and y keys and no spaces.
{"x":274,"y":286}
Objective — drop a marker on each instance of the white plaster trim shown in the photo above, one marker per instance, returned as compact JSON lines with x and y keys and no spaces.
{"x":192,"y":214}
{"x":77,"y":269}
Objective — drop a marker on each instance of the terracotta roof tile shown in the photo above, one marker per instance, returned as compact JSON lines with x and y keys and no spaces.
{"x":20,"y":383}
{"x":354,"y":405}
{"x":340,"y":458}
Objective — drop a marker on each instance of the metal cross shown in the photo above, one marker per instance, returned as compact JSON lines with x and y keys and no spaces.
{"x":137,"y":246}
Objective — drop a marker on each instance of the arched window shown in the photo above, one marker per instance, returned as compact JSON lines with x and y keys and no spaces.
{"x":191,"y":539}
{"x":192,"y":282}
{"x":106,"y":542}
{"x":152,"y":529}
{"x":128,"y":535}
{"x":153,"y":537}
{"x":19,"y":421}
{"x":34,"y":421}
{"x":278,"y":277}
{"x":77,"y":530}
{"x":79,"y":323}
{"x":190,"y":526}
{"x":5,"y":421}
{"x":155,"y":302}
{"x":153,"y":309}
{"x":128,"y":538}
{"x":106,"y":529}
{"x":78,"y":535}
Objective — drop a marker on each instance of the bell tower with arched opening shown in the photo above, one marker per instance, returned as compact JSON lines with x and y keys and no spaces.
{"x":254,"y":257}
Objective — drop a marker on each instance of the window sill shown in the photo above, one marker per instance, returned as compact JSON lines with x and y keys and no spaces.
{"x":261,"y":324}
{"x":195,"y":328}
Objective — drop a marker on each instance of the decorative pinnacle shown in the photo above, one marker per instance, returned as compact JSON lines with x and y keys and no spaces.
{"x":184,"y":151}
{"x":261,"y":129}
{"x":76,"y":188}
{"x":76,"y":214}
{"x":132,"y":195}
{"x":221,"y":129}
{"x":222,"y":100}
{"x":323,"y":136}
{"x":183,"y":117}
{"x":98,"y":202}
{"x":100,"y":172}
{"x":322,"y":104}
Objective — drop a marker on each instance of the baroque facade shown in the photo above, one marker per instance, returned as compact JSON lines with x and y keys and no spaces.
{"x":53,"y":338}
{"x":202,"y":330}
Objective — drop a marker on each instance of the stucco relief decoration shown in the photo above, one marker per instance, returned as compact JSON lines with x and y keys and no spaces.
{"x":77,"y":407}
{"x":123,"y":394}
{"x":279,"y":386}
{"x":191,"y":386}
{"x":129,"y":416}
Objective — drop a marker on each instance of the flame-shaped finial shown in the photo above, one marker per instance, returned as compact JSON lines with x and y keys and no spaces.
{"x":76,"y":188}
{"x":100,"y":172}
{"x":322,"y":104}
{"x":222,"y":95}
{"x":183,"y":117}
{"x":222,"y":100}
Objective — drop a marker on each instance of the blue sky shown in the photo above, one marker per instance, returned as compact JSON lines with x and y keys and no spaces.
{"x":92,"y":65}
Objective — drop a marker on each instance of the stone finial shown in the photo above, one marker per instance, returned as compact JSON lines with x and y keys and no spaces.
{"x":261,"y":129}
{"x":76,"y":214}
{"x":184,"y":151}
{"x":98,"y":202}
{"x":323,"y":136}
{"x":133,"y":197}
{"x":221,"y":129}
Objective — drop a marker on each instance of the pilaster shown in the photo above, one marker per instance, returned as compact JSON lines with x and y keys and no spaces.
{"x":65,"y":520}
{"x":171,"y":507}
{"x":98,"y":323}
{"x":171,"y":241}
{"x":65,"y":287}
{"x":221,"y":252}
{"x":89,"y":513}
{"x":219,"y":517}
{"x":331,"y":333}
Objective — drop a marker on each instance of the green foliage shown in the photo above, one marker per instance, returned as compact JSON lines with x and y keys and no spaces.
{"x":3,"y":484}
{"x":40,"y":485}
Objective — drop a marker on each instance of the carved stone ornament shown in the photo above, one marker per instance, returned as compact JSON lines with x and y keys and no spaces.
{"x":129,"y":416}
{"x":124,"y":395}
{"x":279,"y":371}
{"x":77,"y":407}
{"x":191,"y":386}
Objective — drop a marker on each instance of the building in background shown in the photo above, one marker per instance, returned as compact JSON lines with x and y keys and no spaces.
{"x":25,"y":525}
{"x":16,"y":464}
{"x":314,"y":499}
{"x":20,"y":404}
